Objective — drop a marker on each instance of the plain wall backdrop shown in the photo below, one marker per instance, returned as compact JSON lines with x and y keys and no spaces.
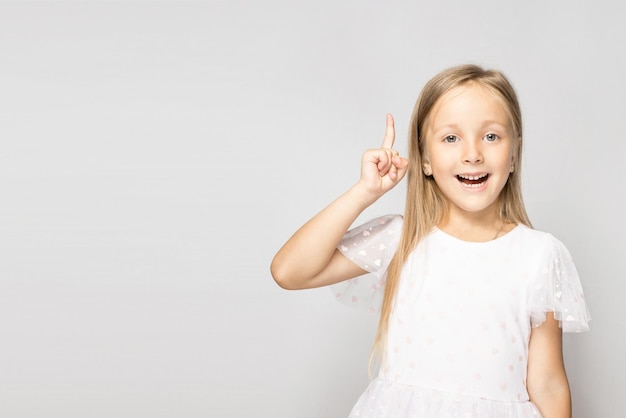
{"x":155,"y":155}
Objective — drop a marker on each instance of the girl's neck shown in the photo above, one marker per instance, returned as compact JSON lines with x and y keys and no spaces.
{"x":475,"y":227}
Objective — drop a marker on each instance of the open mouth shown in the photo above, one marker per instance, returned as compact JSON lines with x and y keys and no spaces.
{"x":472,"y":181}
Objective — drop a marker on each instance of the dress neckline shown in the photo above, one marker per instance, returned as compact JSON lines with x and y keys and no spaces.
{"x":501,"y":238}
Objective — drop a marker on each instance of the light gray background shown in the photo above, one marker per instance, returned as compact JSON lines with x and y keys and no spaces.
{"x":155,"y":155}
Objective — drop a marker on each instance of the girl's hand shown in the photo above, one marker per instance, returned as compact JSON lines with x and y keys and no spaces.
{"x":382,"y":168}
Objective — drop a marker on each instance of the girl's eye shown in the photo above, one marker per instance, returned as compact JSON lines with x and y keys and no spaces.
{"x":451,"y":138}
{"x":490,"y":137}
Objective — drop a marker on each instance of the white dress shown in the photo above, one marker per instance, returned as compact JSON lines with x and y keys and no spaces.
{"x":458,"y":333}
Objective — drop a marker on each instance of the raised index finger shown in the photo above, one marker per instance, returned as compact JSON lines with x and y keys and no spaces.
{"x":390,"y":133}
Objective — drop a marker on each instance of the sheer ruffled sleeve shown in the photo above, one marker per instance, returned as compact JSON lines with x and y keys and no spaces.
{"x":557,"y":289}
{"x":371,"y":246}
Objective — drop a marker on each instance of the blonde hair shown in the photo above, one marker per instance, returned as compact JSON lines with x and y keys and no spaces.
{"x":425,"y":204}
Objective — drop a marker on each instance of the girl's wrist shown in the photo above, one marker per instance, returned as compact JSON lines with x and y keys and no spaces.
{"x":362,"y":195}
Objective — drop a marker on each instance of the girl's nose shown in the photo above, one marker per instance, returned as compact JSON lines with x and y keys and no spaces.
{"x":473,"y":154}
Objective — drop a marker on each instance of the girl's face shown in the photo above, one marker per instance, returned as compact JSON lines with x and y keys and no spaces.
{"x":469,"y":148}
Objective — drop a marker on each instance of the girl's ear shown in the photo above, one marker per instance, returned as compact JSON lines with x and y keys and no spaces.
{"x":427,"y":169}
{"x":425,"y":159}
{"x":513,"y":154}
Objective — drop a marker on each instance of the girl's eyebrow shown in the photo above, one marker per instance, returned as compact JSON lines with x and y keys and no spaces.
{"x":447,"y":126}
{"x":484,"y":125}
{"x":494,"y":122}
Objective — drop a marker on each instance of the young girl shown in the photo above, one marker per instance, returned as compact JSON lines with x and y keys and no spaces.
{"x":473,"y":299}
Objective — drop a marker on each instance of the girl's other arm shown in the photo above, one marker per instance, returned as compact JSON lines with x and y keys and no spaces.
{"x":310,"y":257}
{"x":547,"y":382}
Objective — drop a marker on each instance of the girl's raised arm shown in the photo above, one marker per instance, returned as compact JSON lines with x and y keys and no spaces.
{"x":310,"y":257}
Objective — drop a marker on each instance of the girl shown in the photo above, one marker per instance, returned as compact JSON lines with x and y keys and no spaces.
{"x":473,"y":299}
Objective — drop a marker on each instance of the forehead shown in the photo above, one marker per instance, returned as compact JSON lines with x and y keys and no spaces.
{"x":468,"y":104}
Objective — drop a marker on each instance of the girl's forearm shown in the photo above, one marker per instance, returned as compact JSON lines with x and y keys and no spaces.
{"x":311,"y":248}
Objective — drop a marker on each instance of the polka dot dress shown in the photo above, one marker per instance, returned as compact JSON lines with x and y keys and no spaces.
{"x":458,"y":334}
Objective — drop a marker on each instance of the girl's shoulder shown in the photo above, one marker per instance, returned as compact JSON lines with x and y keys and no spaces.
{"x":554,"y":282}
{"x":370,"y":246}
{"x":376,"y":225}
{"x":373,"y":243}
{"x":540,"y":241}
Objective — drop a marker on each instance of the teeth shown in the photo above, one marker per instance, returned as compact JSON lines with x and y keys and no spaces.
{"x":472,"y":186}
{"x":463,"y":176}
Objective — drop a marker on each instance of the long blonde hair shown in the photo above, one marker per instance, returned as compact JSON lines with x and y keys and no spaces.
{"x":425,"y":204}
